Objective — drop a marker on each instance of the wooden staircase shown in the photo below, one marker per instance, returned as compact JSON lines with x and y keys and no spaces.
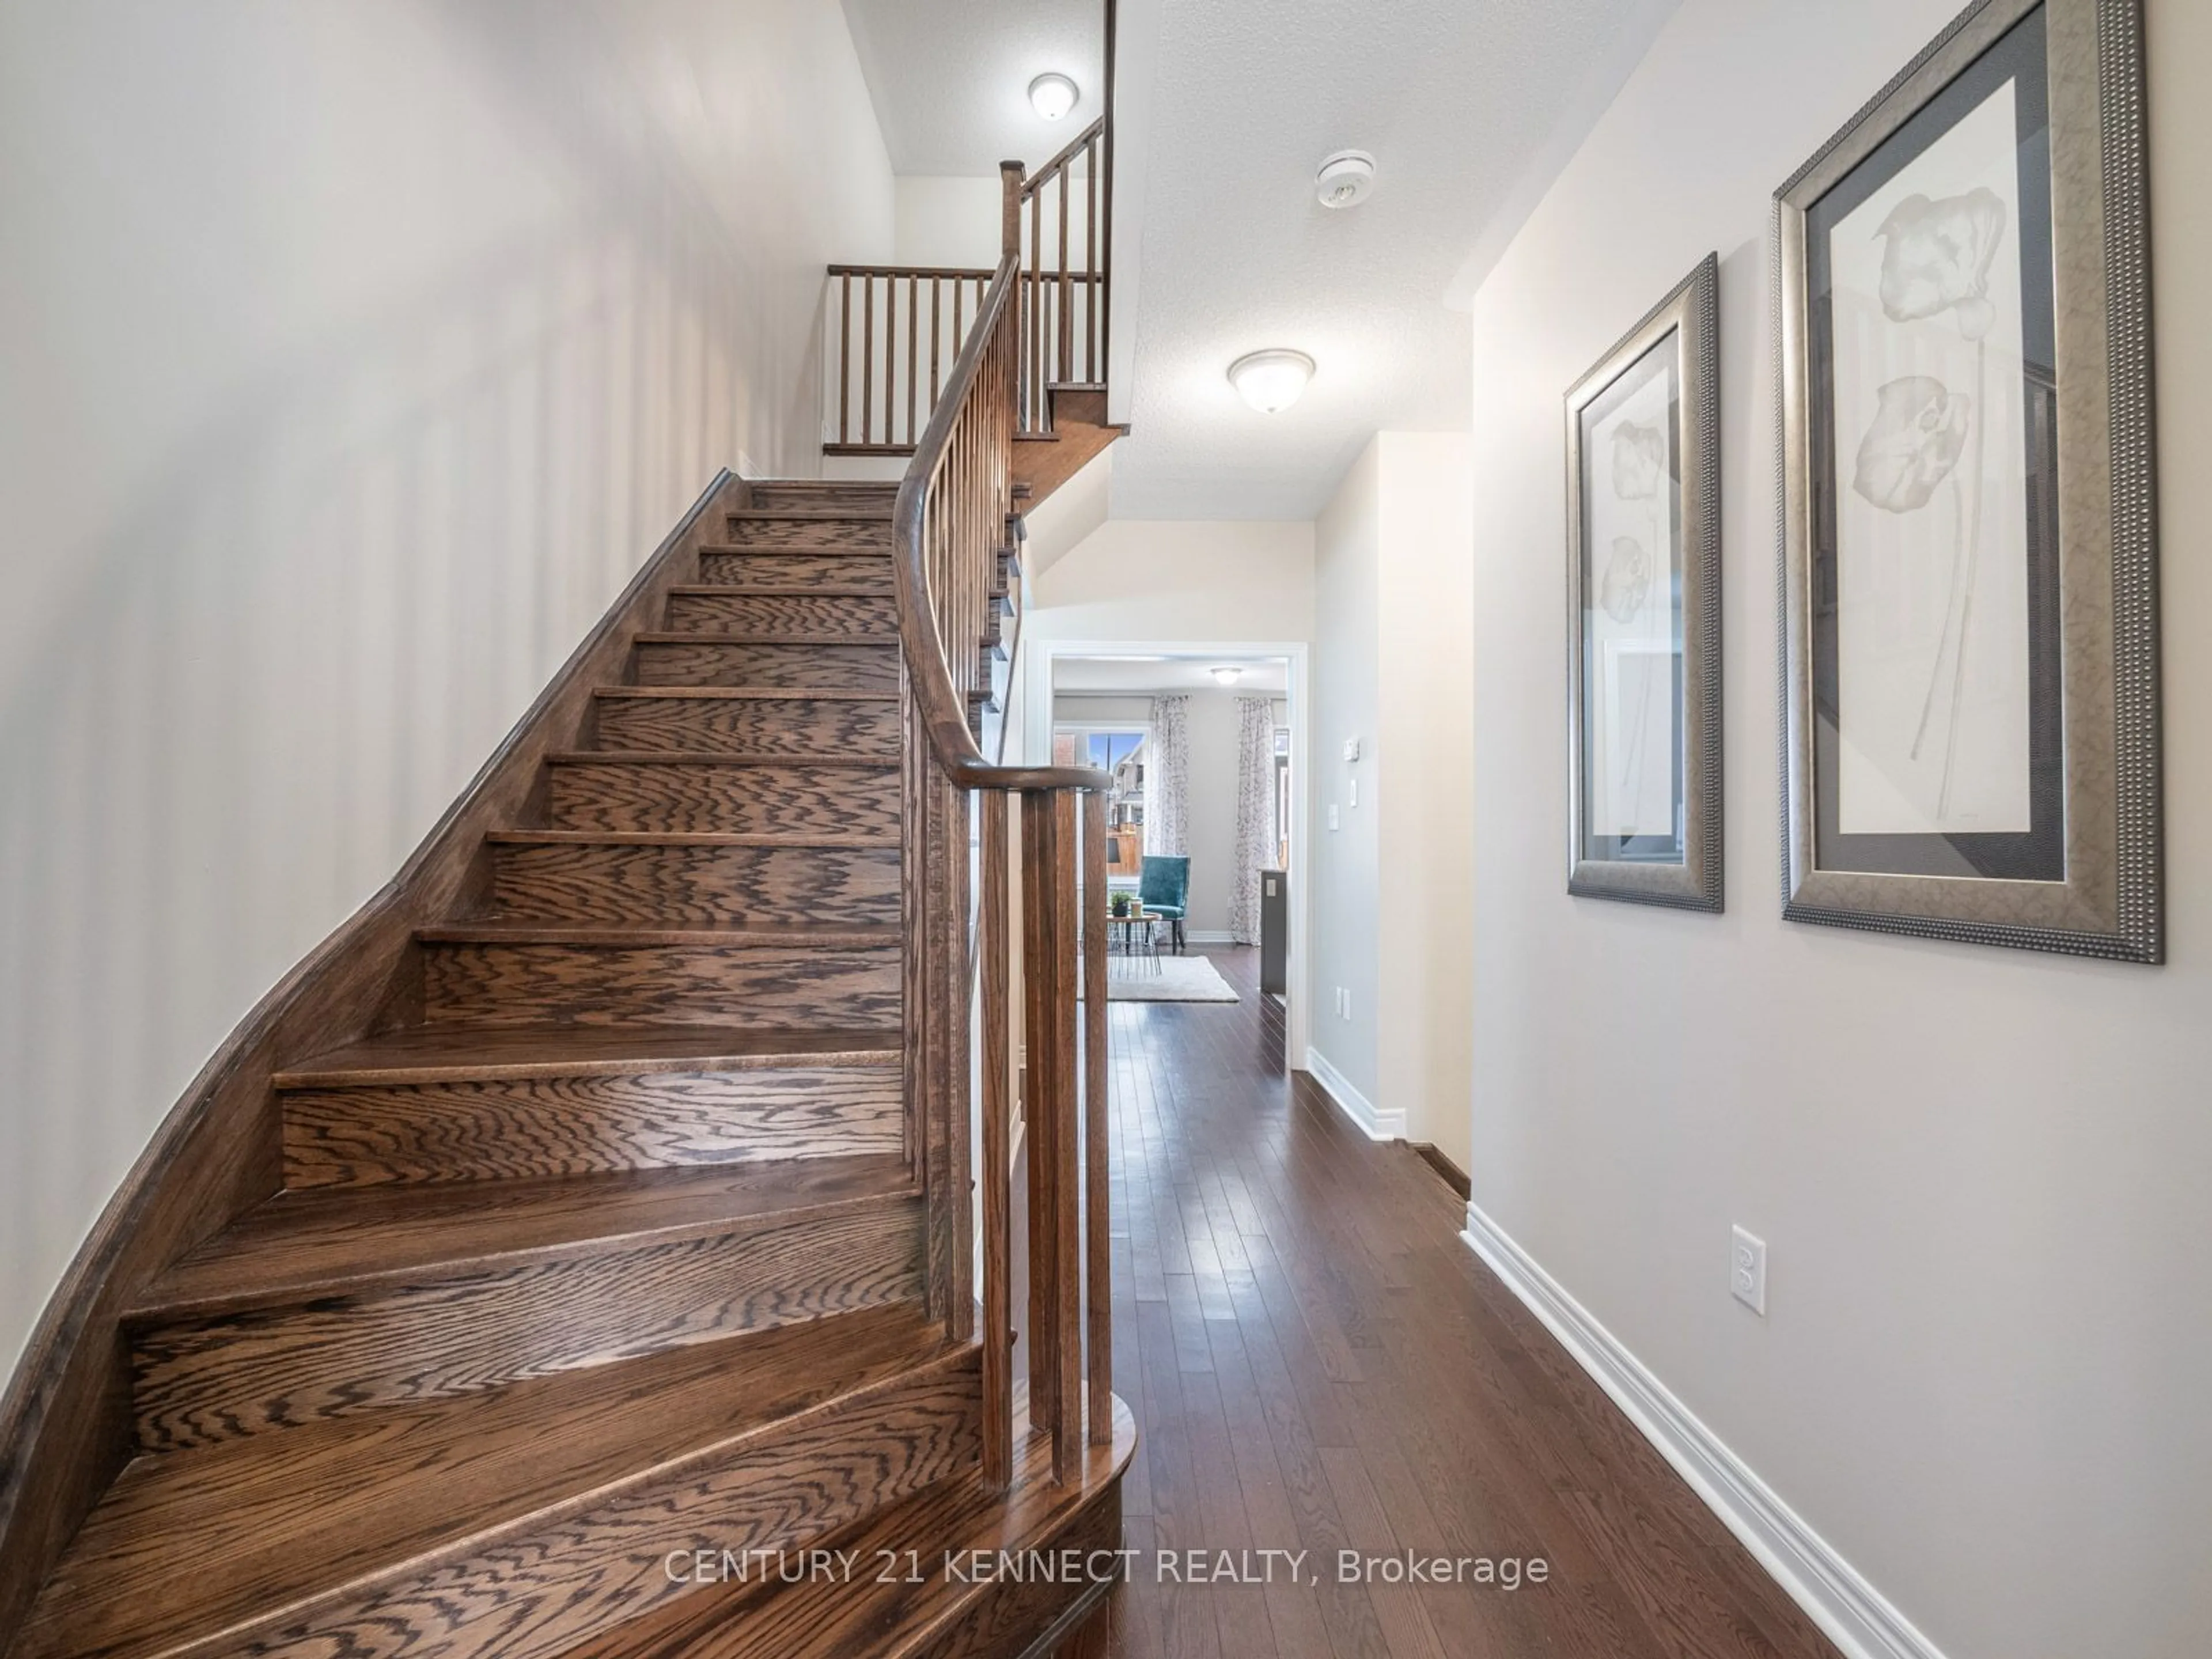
{"x":587,"y":1210}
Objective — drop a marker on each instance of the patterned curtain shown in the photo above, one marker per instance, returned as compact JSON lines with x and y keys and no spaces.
{"x":1167,"y":779}
{"x":1255,"y":814}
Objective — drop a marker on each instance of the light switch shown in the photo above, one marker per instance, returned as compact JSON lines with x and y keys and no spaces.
{"x":1332,"y":815}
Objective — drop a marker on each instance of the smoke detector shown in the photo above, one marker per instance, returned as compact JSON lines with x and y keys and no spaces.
{"x":1345,"y":178}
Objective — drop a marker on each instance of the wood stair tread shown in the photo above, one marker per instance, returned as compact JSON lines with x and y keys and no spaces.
{"x":688,"y":838}
{"x":779,"y":592}
{"x":825,"y":1616}
{"x":455,"y":1052}
{"x":617,"y":937}
{"x":713,"y":757}
{"x":187,"y":1545}
{"x":872,"y":641}
{"x":748,"y":693}
{"x":809,"y":514}
{"x":810,"y":550}
{"x":332,"y":1238}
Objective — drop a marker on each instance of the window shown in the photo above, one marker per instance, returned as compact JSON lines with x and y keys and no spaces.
{"x":1118,"y":751}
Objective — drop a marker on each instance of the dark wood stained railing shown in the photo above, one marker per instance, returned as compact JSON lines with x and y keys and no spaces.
{"x":951,"y":536}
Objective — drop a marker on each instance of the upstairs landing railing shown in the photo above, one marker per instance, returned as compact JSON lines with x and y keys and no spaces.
{"x":895,"y":331}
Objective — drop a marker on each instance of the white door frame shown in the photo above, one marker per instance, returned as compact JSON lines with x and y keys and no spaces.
{"x":1037,"y":743}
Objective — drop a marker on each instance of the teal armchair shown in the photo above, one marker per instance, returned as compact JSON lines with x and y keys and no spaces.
{"x":1163,"y":885}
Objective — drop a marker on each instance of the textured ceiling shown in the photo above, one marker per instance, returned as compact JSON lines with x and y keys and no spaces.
{"x":950,"y":78}
{"x":1469,"y":107}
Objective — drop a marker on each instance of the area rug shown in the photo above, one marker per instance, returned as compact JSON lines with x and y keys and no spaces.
{"x":1180,"y":979}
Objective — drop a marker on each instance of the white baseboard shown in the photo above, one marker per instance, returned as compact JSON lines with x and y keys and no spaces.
{"x":1376,"y":1124}
{"x":1838,"y":1598}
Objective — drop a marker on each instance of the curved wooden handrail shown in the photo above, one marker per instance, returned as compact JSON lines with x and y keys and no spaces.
{"x":944,"y":712}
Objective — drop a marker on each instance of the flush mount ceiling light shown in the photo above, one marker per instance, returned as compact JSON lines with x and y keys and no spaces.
{"x":1269,"y":380}
{"x":1053,"y":95}
{"x":1227,"y":674}
{"x":1345,"y":178}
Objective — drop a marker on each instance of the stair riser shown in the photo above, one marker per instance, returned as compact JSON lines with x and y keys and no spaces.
{"x":869,"y":533}
{"x":514,"y":1128}
{"x":807,"y":496}
{"x":737,"y":800}
{"x":219,"y":1379}
{"x":770,"y":569}
{"x":546,"y":1591}
{"x":782,"y":613}
{"x":814,"y":667}
{"x":749,"y":726}
{"x":770,"y":989}
{"x":720,"y":886}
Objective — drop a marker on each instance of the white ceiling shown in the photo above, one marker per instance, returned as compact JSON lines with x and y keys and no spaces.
{"x":1226,"y":107}
{"x":1120,"y":676}
{"x":951,"y":78}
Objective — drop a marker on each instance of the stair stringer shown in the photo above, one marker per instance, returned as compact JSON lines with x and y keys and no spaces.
{"x":65,"y":1420}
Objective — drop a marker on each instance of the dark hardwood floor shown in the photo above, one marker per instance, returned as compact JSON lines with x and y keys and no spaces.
{"x":1317,"y":1363}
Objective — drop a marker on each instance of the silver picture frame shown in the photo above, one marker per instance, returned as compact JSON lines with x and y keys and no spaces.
{"x":2096,"y":890}
{"x":1680,"y":334}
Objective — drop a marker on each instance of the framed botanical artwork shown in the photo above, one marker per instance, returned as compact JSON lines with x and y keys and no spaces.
{"x":1970,"y":684}
{"x":1643,"y":709}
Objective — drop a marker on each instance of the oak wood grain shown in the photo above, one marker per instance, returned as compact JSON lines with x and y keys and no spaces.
{"x":695,"y":659}
{"x":755,"y":979}
{"x":708,"y":794}
{"x":801,"y":565}
{"x":188,"y":1544}
{"x":514,"y":1128}
{"x":467,"y":1326}
{"x":732,"y":881}
{"x":782,"y":610}
{"x":691,"y":719}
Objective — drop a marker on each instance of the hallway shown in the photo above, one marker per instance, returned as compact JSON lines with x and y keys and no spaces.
{"x":1317,"y":1363}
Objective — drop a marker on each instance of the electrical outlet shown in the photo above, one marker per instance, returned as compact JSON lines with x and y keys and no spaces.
{"x":1332,"y":815}
{"x":1748,"y":1270}
{"x":1347,"y":995}
{"x":1355,"y":792}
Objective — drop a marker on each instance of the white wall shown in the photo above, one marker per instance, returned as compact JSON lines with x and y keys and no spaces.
{"x":1343,"y":875}
{"x":351,"y":356}
{"x":1392,"y":888}
{"x":1169,"y":580}
{"x":1985,"y":1371}
{"x":947,"y":220}
{"x":1422,"y":786}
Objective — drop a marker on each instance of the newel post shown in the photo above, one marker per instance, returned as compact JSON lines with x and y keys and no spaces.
{"x":1010,"y":215}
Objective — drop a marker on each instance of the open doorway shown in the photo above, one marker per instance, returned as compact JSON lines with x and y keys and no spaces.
{"x":1204,"y":818}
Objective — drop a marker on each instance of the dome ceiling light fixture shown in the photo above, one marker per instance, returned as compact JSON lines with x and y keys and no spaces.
{"x":1052,"y":95}
{"x":1227,"y":674}
{"x":1271,"y":379}
{"x":1345,"y":178}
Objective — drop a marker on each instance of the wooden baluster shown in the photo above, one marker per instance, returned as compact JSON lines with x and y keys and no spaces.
{"x":936,"y":312}
{"x":1101,"y":290}
{"x":890,"y":357}
{"x":1040,"y":413}
{"x":1098,"y":1239}
{"x":1065,"y":343}
{"x":913,"y":337}
{"x":1068,"y":1240}
{"x":844,"y":353}
{"x":998,"y":1317}
{"x":1038,"y":999}
{"x":868,"y":354}
{"x":1091,"y":263}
